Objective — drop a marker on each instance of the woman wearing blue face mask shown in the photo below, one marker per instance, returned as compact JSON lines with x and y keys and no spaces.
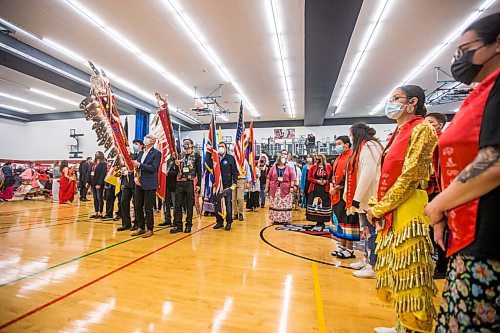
{"x":404,"y":266}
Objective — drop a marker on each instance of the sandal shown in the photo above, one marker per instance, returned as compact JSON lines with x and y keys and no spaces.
{"x":346,"y":254}
{"x":335,"y":253}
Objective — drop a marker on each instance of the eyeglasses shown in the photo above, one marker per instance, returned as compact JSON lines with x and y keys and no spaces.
{"x":459,"y":53}
{"x":396,"y":97}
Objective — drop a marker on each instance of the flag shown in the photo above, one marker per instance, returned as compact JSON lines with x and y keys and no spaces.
{"x":203,"y":156}
{"x":112,"y":179}
{"x":125,"y":129}
{"x":217,"y":186}
{"x":239,"y":144}
{"x":179,"y":150}
{"x":250,"y":152}
{"x":220,"y":135}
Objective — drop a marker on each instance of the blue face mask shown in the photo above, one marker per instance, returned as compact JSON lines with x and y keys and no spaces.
{"x":136,"y":148}
{"x":339,"y":149}
{"x":393,"y":110}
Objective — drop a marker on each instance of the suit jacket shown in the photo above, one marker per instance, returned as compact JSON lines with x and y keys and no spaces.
{"x":149,"y":169}
{"x":99,"y":174}
{"x":84,"y":171}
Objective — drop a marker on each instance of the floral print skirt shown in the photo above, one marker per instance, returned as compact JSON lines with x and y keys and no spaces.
{"x":471,"y":296}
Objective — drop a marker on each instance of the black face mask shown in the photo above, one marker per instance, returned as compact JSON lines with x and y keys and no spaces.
{"x":463,"y":70}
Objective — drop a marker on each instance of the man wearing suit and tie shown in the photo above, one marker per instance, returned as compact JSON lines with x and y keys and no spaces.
{"x":147,"y":164}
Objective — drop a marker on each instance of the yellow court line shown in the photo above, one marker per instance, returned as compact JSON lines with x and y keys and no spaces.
{"x":320,"y":310}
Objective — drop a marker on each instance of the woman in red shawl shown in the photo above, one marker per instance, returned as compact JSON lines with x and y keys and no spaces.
{"x":404,"y":264}
{"x":67,"y":184}
{"x":469,"y":160}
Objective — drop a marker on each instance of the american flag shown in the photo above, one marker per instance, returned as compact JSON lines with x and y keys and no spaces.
{"x":212,"y":148}
{"x":241,"y":142}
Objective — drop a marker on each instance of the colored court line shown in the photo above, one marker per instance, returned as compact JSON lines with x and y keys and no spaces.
{"x":295,"y":254}
{"x":318,"y":298}
{"x":74,"y":259}
{"x":41,"y":307}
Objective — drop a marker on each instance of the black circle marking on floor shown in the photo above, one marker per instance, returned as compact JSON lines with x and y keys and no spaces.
{"x":295,"y":254}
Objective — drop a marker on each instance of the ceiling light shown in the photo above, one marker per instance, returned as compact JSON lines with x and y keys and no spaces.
{"x":19,"y":99}
{"x":44,"y":93}
{"x":370,"y":33}
{"x":223,"y":117}
{"x":13,"y":108}
{"x":432,"y":55}
{"x":279,"y":48}
{"x":128,"y":45}
{"x":195,"y":34}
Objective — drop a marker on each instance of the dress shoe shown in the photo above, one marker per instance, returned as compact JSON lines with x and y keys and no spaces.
{"x":175,"y":230}
{"x":187,"y":230}
{"x":218,"y":225}
{"x":148,"y":233}
{"x":117,"y":218}
{"x":228,"y":227}
{"x":107,"y":218}
{"x":123,"y":228}
{"x":240,"y":217}
{"x":138,"y":232}
{"x":235,"y":217}
{"x":134,"y":228}
{"x":164,"y":224}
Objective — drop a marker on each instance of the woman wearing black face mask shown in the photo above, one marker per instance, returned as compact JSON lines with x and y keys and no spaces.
{"x":469,"y":157}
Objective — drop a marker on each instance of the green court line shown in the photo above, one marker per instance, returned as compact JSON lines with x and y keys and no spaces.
{"x":74,"y":259}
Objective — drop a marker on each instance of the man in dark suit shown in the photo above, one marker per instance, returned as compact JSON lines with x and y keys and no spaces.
{"x":84,"y":173}
{"x":147,"y":164}
{"x":229,"y":173}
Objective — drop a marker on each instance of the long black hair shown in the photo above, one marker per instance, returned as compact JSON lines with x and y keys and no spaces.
{"x":64,"y":164}
{"x":362,"y":132}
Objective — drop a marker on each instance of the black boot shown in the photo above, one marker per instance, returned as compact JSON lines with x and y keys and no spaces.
{"x":218,"y":225}
{"x":188,"y":229}
{"x":228,"y":227}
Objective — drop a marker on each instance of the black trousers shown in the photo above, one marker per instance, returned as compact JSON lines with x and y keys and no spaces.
{"x":228,"y":200}
{"x":253,"y":200}
{"x":144,"y":200}
{"x":127,"y":196}
{"x":98,"y":199}
{"x":168,"y":204}
{"x":110,"y":200}
{"x":184,"y":194}
{"x":83,"y":190}
{"x":442,"y":261}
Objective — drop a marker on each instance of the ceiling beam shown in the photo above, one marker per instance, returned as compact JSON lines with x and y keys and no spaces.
{"x":43,"y":66}
{"x":328,"y":28}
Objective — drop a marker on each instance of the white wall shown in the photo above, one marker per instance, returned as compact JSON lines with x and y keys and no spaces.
{"x":48,"y":140}
{"x":322,"y":133}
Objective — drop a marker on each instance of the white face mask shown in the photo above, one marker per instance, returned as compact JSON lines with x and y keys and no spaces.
{"x":309,"y":160}
{"x":283,"y":160}
{"x":221,"y":150}
{"x":393,"y":110}
{"x":146,"y":141}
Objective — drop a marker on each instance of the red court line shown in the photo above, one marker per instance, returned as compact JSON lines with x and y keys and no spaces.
{"x":41,"y":307}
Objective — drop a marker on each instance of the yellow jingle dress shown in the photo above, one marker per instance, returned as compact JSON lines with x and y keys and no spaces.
{"x":405,"y":266}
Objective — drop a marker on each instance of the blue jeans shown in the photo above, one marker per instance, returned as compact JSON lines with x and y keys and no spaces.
{"x":228,"y":199}
{"x":262,"y":195}
{"x":98,"y":199}
{"x":370,"y":244}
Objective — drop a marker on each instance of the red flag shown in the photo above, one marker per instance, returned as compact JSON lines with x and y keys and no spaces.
{"x":250,"y":152}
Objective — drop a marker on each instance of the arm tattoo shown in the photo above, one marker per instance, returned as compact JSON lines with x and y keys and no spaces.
{"x":485,"y":159}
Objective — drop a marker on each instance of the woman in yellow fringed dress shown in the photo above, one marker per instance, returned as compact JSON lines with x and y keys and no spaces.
{"x":405,"y":266}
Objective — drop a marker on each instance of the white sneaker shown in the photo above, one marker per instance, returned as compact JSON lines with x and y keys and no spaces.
{"x":366,"y":273}
{"x":385,"y":330}
{"x":358,"y":264}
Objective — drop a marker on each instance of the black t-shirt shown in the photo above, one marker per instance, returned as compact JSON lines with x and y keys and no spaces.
{"x":488,"y":225}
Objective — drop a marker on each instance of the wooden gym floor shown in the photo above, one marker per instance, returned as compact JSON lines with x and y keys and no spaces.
{"x":63,"y":272}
